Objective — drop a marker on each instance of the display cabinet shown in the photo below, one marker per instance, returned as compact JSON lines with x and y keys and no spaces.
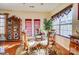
{"x":13,"y":28}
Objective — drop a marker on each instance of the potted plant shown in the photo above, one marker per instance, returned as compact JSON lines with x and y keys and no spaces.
{"x":47,"y":27}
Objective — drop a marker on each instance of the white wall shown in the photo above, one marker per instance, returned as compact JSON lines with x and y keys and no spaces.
{"x":64,"y":42}
{"x":75,"y":24}
{"x":27,"y":15}
{"x":59,"y":8}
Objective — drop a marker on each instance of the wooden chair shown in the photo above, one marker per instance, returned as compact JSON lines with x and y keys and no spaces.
{"x":23,"y":49}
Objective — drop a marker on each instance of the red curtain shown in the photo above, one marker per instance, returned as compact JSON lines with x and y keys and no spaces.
{"x":28,"y":27}
{"x":36,"y":25}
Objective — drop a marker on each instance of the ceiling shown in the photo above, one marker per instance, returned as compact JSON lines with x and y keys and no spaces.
{"x":35,"y":7}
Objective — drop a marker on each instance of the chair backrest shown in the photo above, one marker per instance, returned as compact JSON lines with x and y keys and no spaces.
{"x":24,"y":40}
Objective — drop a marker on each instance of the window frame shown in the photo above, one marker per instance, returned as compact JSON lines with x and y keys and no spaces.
{"x":60,"y":21}
{"x":5,"y":25}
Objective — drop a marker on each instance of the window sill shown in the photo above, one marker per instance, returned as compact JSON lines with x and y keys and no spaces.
{"x":63,"y":36}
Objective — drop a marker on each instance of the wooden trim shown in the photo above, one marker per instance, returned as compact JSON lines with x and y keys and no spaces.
{"x":11,"y":41}
{"x":6,"y":27}
{"x":63,"y":36}
{"x":28,"y":19}
{"x":4,"y":13}
{"x":36,"y":19}
{"x":74,"y":37}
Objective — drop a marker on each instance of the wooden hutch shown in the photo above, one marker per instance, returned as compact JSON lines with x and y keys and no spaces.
{"x":13,"y":29}
{"x":12,"y":34}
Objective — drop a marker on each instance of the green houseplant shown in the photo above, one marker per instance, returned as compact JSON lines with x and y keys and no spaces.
{"x":47,"y":27}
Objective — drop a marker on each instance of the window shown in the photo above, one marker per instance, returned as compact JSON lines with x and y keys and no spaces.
{"x":2,"y":26}
{"x":62,"y":22}
{"x":36,"y":25}
{"x":66,"y":24}
{"x":29,"y":27}
{"x":56,"y":25}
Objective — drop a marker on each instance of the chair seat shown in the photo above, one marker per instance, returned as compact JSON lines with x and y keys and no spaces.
{"x":23,"y":52}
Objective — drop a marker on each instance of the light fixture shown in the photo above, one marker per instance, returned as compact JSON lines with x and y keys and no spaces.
{"x":23,"y":4}
{"x":42,"y":3}
{"x":31,"y":6}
